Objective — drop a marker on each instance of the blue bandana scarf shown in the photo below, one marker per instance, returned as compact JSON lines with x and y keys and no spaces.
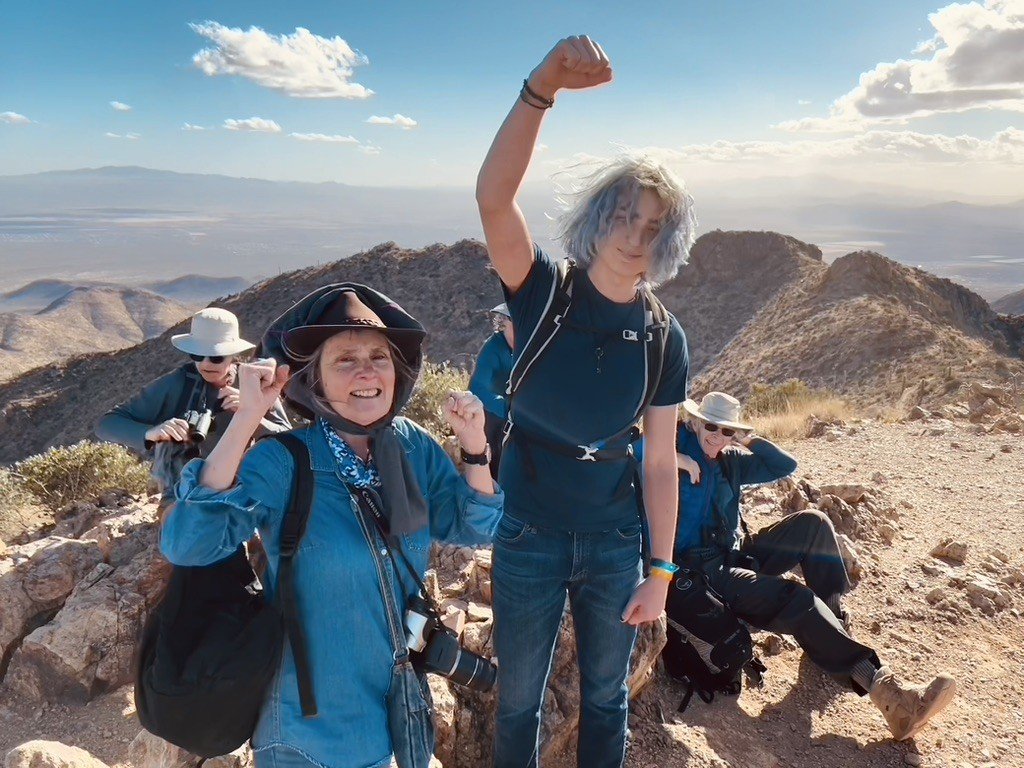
{"x":352,"y":468}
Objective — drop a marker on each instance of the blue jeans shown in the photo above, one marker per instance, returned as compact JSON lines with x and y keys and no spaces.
{"x":534,"y":569}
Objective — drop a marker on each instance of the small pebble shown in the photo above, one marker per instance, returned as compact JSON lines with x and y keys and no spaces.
{"x":912,"y":758}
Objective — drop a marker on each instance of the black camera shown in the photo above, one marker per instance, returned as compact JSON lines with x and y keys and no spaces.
{"x":435,"y":648}
{"x":198,"y":424}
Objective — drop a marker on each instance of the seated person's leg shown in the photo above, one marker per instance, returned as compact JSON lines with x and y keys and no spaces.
{"x":806,"y":539}
{"x":787,"y":607}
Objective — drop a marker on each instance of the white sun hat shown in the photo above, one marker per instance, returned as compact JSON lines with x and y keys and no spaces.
{"x":501,"y":309}
{"x":718,"y":408}
{"x":214,"y":332}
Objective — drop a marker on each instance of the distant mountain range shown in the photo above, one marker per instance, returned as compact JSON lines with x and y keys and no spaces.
{"x":1011,"y":304}
{"x":83,"y":319}
{"x":190,"y":290}
{"x":135,"y":225}
{"x":756,"y":306}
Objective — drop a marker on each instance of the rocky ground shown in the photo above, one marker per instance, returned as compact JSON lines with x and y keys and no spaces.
{"x":960,"y":612}
{"x":932,"y":515}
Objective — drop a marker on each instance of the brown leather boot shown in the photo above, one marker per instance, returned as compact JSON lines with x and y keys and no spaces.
{"x":907,"y":708}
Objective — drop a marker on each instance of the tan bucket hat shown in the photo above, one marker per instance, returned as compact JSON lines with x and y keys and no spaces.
{"x":718,"y":408}
{"x":213,"y":332}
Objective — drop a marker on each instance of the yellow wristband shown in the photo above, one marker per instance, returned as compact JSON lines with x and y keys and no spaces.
{"x":661,"y":573}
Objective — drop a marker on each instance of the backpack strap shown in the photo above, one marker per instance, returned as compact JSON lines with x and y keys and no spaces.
{"x":655,"y":341}
{"x":293,"y":526}
{"x":559,"y":300}
{"x":188,"y":392}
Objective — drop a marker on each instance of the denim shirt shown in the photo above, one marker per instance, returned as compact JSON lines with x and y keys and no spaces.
{"x":709,"y":510}
{"x":338,"y":589}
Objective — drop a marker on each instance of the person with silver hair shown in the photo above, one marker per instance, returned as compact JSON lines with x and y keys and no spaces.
{"x":573,"y":523}
{"x":490,"y":378}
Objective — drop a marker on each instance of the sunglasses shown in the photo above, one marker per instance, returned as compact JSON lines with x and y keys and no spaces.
{"x":215,"y":359}
{"x":726,"y":432}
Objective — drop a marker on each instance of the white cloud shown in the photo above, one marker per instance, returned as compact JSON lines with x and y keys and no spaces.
{"x":977,"y":62}
{"x":399,"y":121}
{"x":190,"y":127}
{"x":300,"y":64}
{"x":252,"y":124}
{"x":120,"y":106}
{"x":323,"y":137}
{"x":803,"y":102}
{"x":886,"y":146}
{"x":13,"y":118}
{"x":369,"y":149}
{"x":129,"y":136}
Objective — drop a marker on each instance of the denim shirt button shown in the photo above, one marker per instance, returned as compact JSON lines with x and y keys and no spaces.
{"x":384,"y":551}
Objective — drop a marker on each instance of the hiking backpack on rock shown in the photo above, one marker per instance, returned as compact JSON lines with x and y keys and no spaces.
{"x":708,"y":648}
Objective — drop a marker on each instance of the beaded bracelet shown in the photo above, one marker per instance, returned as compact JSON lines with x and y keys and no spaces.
{"x":548,"y":103}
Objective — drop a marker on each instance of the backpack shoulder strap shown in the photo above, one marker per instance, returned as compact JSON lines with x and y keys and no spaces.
{"x":559,"y":300}
{"x":656,"y":338}
{"x":187,"y":393}
{"x":293,"y":526}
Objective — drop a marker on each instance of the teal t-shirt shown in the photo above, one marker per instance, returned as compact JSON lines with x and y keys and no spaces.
{"x":584,"y":389}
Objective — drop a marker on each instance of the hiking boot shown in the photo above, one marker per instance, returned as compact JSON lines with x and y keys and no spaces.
{"x":907,"y":708}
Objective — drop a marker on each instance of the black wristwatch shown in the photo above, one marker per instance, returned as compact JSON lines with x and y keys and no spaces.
{"x":479,"y":459}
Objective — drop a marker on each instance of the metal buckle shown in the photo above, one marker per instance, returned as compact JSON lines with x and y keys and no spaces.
{"x":629,"y":335}
{"x":506,"y":430}
{"x":589,"y":452}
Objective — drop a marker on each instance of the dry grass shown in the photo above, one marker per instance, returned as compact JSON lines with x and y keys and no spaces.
{"x":436,"y":381}
{"x":787,"y":411}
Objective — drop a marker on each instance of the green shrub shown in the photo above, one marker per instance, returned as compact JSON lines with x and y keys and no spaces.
{"x":81,"y":472}
{"x":766,"y":399}
{"x":436,"y":381}
{"x":17,"y":504}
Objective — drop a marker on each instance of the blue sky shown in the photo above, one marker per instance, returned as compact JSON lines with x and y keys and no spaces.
{"x":688,"y":75}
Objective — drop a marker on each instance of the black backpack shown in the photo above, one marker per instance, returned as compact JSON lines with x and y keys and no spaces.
{"x":212,"y":645}
{"x":708,"y":648}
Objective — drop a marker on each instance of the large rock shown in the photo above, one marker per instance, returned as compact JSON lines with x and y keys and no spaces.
{"x":50,"y":754}
{"x":87,"y":648}
{"x":125,"y":533}
{"x":149,"y":751}
{"x":35,"y":579}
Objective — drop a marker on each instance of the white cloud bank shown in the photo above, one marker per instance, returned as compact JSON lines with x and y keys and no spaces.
{"x":190,"y":127}
{"x":129,"y":136}
{"x":976,"y":62}
{"x":323,"y":137}
{"x":301,"y":64}
{"x":399,"y":121}
{"x":120,"y":106}
{"x":252,"y":125}
{"x":13,"y":118}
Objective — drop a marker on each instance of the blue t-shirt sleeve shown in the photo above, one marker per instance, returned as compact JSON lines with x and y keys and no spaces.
{"x":488,"y":380}
{"x":675,"y":369}
{"x":528,"y":303}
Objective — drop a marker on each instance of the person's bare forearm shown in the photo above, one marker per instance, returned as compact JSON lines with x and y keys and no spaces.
{"x":221,"y":466}
{"x":661,"y":498}
{"x":509,"y":157}
{"x":479,"y":479}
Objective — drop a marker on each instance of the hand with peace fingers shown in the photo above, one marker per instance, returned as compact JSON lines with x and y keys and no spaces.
{"x":464,"y":413}
{"x":647,"y":602}
{"x":574,"y":63}
{"x":172,"y":430}
{"x":259,"y":386}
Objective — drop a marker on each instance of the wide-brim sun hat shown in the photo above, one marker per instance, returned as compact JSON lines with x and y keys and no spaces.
{"x":718,"y":408}
{"x":213,"y":333}
{"x":344,"y":310}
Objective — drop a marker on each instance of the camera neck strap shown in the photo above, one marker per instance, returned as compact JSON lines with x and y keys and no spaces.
{"x":369,"y":502}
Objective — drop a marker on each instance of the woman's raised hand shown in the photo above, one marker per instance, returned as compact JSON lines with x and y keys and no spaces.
{"x":259,"y":385}
{"x":465,"y":415}
{"x":574,"y":63}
